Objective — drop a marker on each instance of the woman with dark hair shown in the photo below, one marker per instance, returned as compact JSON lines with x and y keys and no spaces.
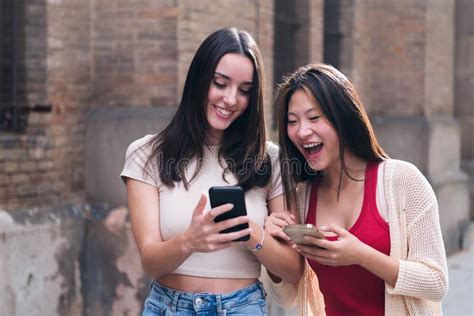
{"x":216,"y":138}
{"x":383,"y":253}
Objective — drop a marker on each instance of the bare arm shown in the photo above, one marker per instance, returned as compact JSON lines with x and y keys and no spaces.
{"x":291,"y":268}
{"x":162,"y":257}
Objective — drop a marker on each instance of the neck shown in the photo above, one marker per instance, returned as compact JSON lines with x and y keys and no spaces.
{"x":214,"y":138}
{"x":355,"y":167}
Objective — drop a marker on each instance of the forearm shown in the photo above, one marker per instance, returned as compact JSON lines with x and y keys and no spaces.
{"x":279,"y":259}
{"x":163,"y":257}
{"x":380,"y":264}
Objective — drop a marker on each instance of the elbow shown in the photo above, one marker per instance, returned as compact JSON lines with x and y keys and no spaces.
{"x":291,"y":278}
{"x":296,"y":272}
{"x":149,"y":264}
{"x":149,"y":268}
{"x":441,"y":291}
{"x":435,"y":291}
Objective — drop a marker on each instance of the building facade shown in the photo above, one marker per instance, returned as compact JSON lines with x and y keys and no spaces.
{"x":80,"y":79}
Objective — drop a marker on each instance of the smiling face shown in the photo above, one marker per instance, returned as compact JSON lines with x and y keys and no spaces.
{"x":229,"y":94}
{"x":311,"y":133}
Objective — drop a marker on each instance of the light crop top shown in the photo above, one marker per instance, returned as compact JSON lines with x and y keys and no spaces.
{"x":177,"y":205}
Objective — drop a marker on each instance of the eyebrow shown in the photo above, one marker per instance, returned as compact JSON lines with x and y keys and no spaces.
{"x":305,"y":112}
{"x":228,"y":78}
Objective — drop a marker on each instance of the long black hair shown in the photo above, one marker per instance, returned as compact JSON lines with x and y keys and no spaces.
{"x":341,"y":105}
{"x":244,"y":140}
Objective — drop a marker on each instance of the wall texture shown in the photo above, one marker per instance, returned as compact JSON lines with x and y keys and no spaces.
{"x":95,"y":74}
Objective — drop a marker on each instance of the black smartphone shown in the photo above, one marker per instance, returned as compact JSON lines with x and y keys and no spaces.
{"x":220,"y":195}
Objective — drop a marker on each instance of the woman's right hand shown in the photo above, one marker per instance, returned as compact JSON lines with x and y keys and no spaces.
{"x":203,"y":234}
{"x":275,"y":223}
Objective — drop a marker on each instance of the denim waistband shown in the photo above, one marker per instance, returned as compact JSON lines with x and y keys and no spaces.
{"x":206,"y":301}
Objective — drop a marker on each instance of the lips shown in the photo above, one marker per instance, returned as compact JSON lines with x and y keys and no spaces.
{"x":223,"y":113}
{"x":312,"y":149}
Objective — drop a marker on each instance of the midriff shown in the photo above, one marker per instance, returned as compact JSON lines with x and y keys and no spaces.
{"x":188,"y":283}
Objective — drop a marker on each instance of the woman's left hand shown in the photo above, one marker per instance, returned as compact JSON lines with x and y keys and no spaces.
{"x":275,"y":223}
{"x":346,"y":250}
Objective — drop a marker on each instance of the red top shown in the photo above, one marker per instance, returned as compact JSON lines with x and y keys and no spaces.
{"x":352,"y":290}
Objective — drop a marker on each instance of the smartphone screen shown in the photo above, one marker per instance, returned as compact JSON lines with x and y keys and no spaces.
{"x":220,"y":195}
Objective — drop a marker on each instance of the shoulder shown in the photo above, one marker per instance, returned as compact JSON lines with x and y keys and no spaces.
{"x":405,"y":182}
{"x":399,"y":170}
{"x":144,"y":144}
{"x":302,"y":187}
{"x":272,"y":149}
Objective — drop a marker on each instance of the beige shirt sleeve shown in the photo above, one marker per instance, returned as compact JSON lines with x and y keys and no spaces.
{"x":135,"y":162}
{"x":275,"y":187}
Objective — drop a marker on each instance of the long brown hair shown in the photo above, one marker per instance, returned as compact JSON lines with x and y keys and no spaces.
{"x":342,"y":107}
{"x":244,"y":140}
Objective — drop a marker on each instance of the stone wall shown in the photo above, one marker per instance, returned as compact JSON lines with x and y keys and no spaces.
{"x":404,"y":72}
{"x":463,"y":86}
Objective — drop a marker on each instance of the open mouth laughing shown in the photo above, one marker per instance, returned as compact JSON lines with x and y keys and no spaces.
{"x":312,"y":149}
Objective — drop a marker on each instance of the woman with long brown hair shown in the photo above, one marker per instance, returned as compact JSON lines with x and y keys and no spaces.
{"x":216,"y":138}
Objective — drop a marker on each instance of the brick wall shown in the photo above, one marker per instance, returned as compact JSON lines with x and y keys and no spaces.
{"x":394,"y":30}
{"x":43,"y":165}
{"x":76,"y":54}
{"x":134,"y":52}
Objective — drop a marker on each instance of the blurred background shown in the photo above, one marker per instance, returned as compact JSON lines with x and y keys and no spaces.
{"x":81,"y":79}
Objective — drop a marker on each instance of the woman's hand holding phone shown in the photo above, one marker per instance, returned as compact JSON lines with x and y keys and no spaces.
{"x":346,"y":250}
{"x":275,"y":223}
{"x":203,"y":234}
{"x":300,"y":233}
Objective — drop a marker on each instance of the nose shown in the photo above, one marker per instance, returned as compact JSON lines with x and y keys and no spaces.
{"x":230,"y":96}
{"x":303,"y":131}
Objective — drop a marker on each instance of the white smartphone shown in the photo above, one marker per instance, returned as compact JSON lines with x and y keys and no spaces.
{"x":297,"y":232}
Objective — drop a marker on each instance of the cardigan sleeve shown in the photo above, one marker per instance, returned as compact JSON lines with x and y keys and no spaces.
{"x":423,"y":270}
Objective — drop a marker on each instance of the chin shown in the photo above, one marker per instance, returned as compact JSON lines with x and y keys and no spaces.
{"x":219,"y":127}
{"x":315,"y":166}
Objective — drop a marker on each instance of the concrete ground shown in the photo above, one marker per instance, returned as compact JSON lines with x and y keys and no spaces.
{"x":460,"y":298}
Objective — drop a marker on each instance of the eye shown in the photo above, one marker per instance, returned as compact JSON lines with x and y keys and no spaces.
{"x":292,"y":122}
{"x":219,"y":85}
{"x":245,"y":92}
{"x":314,"y":118}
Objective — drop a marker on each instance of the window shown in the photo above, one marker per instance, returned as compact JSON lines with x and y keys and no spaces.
{"x":12,"y":111}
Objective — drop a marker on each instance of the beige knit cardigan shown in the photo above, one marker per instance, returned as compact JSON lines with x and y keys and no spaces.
{"x":415,"y":240}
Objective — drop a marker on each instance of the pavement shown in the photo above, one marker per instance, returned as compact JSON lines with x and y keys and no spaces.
{"x":460,"y":298}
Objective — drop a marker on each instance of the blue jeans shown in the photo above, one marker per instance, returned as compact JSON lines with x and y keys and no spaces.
{"x":166,"y":301}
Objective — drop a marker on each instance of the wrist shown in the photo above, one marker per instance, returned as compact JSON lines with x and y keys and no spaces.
{"x":184,"y":244}
{"x":257,"y":238}
{"x":365,"y":255}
